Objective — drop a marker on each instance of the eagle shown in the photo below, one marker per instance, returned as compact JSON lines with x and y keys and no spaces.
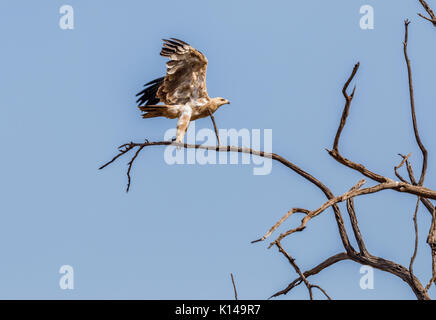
{"x":182,"y":91}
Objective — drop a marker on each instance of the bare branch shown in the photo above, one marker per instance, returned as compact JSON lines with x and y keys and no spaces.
{"x":123,"y":150}
{"x":286,"y":216}
{"x":234,"y":286}
{"x":130,"y":166}
{"x":335,"y":149}
{"x":355,"y":226}
{"x":348,"y":99}
{"x":431,"y":240}
{"x":354,"y":192}
{"x":317,"y":269}
{"x":214,"y":127}
{"x":427,"y":8}
{"x":297,"y":269}
{"x":318,"y":211}
{"x":291,"y":260}
{"x":322,"y":290}
{"x":402,"y":187}
{"x":415,"y":250}
{"x":376,"y":262}
{"x":412,"y":106}
{"x":400,"y":165}
{"x":395,"y":269}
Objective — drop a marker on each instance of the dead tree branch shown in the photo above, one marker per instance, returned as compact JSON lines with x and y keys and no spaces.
{"x":415,"y":225}
{"x":431,"y":240}
{"x":405,"y":158}
{"x":407,"y":187}
{"x":427,"y":8}
{"x":234,"y":286}
{"x":389,"y":183}
{"x":412,"y":105}
{"x":325,"y":264}
{"x":354,"y":192}
{"x":309,"y":286}
{"x":354,"y":224}
{"x":214,"y":127}
{"x":367,"y":259}
{"x":286,"y":216}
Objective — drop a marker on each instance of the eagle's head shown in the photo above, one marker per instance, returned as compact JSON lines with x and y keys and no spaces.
{"x":218,"y":101}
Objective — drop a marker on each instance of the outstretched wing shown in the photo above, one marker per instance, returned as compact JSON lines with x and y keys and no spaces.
{"x":186,"y":73}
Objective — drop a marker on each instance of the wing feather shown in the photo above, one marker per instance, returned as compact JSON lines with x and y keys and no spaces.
{"x":148,"y":95}
{"x":185,"y":79}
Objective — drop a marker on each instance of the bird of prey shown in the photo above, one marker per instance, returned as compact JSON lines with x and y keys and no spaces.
{"x":182,"y":91}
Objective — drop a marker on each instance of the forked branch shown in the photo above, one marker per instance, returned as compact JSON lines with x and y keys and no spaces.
{"x":427,"y":8}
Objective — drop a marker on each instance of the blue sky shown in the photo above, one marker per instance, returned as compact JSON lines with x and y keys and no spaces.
{"x":68,"y":99}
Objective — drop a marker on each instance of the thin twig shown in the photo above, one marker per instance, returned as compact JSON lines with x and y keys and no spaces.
{"x":214,"y":127}
{"x":431,"y":240}
{"x":127,"y":147}
{"x":297,"y":269}
{"x":322,"y":290}
{"x":412,"y":106}
{"x":415,"y":250}
{"x":130,"y":166}
{"x":309,"y":286}
{"x":234,"y":286}
{"x":348,"y":99}
{"x":286,"y":216}
{"x":400,"y":165}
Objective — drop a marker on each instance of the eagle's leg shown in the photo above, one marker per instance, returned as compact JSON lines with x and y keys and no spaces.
{"x":215,"y":127}
{"x":183,"y":124}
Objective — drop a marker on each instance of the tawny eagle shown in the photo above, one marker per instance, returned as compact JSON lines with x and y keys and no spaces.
{"x":183,"y":89}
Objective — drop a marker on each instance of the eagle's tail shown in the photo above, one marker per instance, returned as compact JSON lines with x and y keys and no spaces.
{"x":153,"y":111}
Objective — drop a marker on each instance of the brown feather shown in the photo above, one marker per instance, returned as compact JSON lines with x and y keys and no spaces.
{"x":186,"y":73}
